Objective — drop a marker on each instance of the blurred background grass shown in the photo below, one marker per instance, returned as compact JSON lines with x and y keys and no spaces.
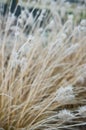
{"x":65,"y":8}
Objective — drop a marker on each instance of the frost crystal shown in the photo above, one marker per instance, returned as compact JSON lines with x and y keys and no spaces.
{"x":65,"y":115}
{"x":82,"y":26}
{"x":65,"y":94}
{"x":82,"y":110}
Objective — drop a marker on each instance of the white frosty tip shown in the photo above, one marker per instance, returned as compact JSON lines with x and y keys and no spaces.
{"x":66,"y":115}
{"x":82,"y":110}
{"x":65,"y":94}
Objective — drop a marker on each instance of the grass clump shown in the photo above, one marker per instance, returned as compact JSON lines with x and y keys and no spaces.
{"x":42,"y":72}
